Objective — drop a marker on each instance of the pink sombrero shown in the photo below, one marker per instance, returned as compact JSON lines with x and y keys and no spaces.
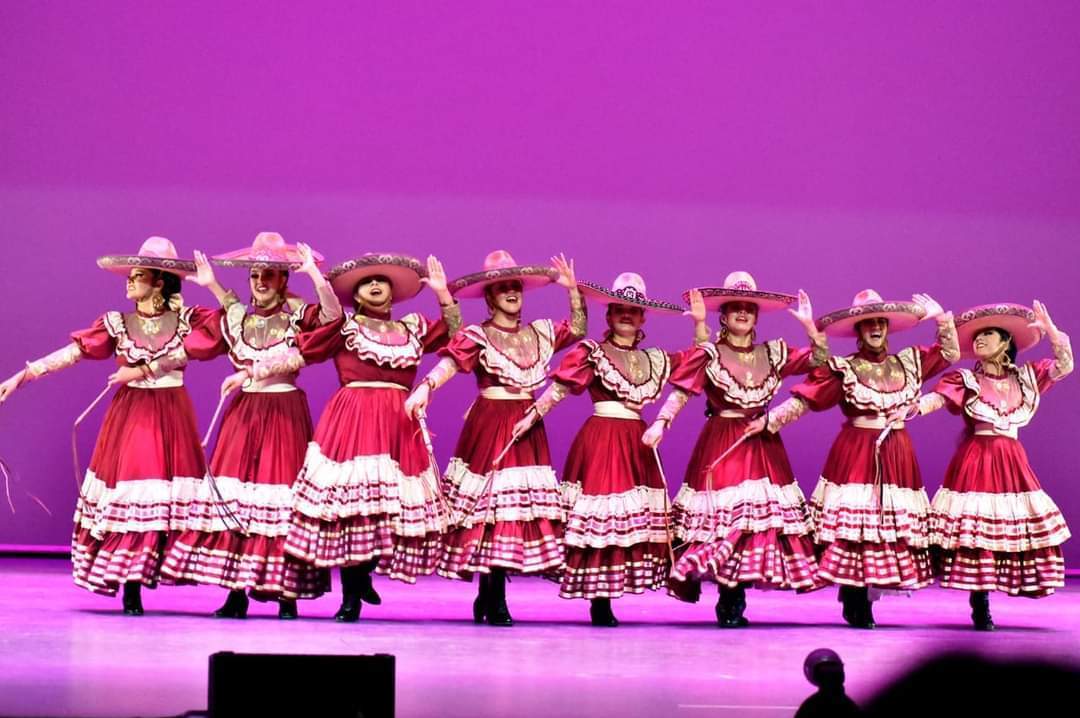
{"x":403,"y":271}
{"x":628,"y":288}
{"x":741,"y":287}
{"x":269,"y":250}
{"x":868,"y":304}
{"x":1013,"y":318}
{"x":500,"y":266}
{"x":155,"y":253}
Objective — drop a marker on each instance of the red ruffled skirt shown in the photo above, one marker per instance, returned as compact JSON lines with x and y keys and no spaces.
{"x":508,"y":519}
{"x":748,"y":523}
{"x":993,"y":528}
{"x":617,"y":512}
{"x":240,"y":543}
{"x":367,"y":491}
{"x":146,"y":464}
{"x":870,"y":532}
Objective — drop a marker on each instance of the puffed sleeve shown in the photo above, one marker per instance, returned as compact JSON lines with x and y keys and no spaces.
{"x":463,"y":349}
{"x":821,"y":390}
{"x":206,"y":340}
{"x":322,"y":342}
{"x":688,"y":372}
{"x":575,"y":371}
{"x":95,"y":342}
{"x":952,"y":389}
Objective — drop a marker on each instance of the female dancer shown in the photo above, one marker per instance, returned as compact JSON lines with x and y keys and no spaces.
{"x":147,"y":467}
{"x":740,"y":516}
{"x":869,"y":508}
{"x":501,"y":487}
{"x":367,"y":497}
{"x":992,"y":526}
{"x":617,"y":532}
{"x":264,"y":434}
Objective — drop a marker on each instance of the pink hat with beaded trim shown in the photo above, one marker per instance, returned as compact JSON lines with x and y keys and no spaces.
{"x":403,"y":271}
{"x":868,"y":304}
{"x":269,"y":250}
{"x":629,"y":289}
{"x":1016,"y":319}
{"x":740,"y":287}
{"x":500,"y":266}
{"x":155,"y":253}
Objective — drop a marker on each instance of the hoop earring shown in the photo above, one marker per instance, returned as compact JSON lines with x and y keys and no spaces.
{"x":639,"y":337}
{"x":158,"y":302}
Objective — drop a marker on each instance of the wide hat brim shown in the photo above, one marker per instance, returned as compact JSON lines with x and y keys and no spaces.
{"x":1013,"y":318}
{"x":403,"y":271}
{"x":716,"y":297}
{"x":246,"y":258}
{"x":123,"y":264}
{"x":598,"y":293}
{"x":901,"y":316}
{"x":531,"y":276}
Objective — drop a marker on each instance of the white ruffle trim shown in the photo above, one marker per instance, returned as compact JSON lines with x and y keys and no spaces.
{"x":373,"y":485}
{"x":520,"y":493}
{"x":996,"y":522}
{"x":752,"y":506}
{"x":624,"y":519}
{"x":262,"y":509}
{"x":130,"y":506}
{"x":853,"y":512}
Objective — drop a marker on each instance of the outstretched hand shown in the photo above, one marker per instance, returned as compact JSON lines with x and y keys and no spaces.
{"x":307,"y":259}
{"x":1043,"y":322}
{"x":804,"y":313}
{"x":697,"y":310}
{"x":204,"y":271}
{"x":932,"y":309}
{"x":436,"y":278}
{"x":565,"y":268}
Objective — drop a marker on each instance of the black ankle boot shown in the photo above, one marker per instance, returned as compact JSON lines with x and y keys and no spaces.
{"x":286,"y":609}
{"x":980,"y":611}
{"x":480,"y":604}
{"x":868,"y":612}
{"x":132,"y":599}
{"x":730,"y":607}
{"x":857,"y":610}
{"x":350,"y":594}
{"x":497,"y":612}
{"x":235,"y":606}
{"x":367,"y":587}
{"x":852,"y":607}
{"x":601,"y":614}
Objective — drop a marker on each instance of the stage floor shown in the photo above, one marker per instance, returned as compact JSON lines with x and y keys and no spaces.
{"x":68,"y":653}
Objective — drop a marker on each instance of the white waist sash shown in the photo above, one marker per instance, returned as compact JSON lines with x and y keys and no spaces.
{"x":375,"y":385}
{"x":874,"y":422}
{"x":503,"y":393}
{"x":270,"y":385}
{"x":614,"y":410}
{"x":167,"y":381}
{"x":982,"y":429}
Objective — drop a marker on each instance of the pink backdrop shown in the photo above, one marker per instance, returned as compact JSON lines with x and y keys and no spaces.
{"x":829,"y":146}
